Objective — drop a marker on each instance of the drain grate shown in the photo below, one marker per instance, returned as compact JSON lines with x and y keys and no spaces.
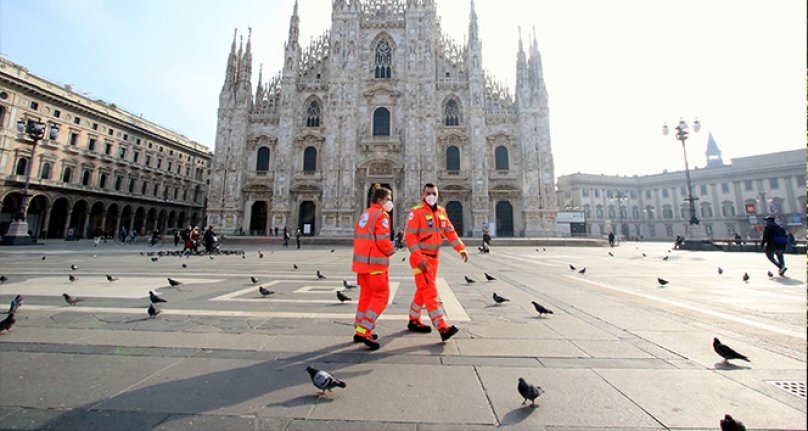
{"x":792,"y":387}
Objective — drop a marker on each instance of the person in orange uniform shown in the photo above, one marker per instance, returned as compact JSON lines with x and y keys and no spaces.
{"x":371,"y":259}
{"x":427,"y":226}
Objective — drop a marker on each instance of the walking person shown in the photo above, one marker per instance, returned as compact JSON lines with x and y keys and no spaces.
{"x":209,"y":239}
{"x":298,"y":234}
{"x":285,"y":237}
{"x":774,"y":242}
{"x":372,"y":249}
{"x":427,"y":226}
{"x":611,"y":239}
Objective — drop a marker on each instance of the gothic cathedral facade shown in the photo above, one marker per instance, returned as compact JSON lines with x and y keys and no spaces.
{"x":384,"y":97}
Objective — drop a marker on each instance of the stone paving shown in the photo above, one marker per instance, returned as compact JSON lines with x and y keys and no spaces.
{"x":620,"y":351}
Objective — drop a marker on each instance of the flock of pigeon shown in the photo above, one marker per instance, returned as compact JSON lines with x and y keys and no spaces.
{"x":323,"y":380}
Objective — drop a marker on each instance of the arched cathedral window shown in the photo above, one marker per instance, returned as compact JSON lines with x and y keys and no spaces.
{"x":451,"y":113}
{"x":310,"y":159}
{"x":384,"y":60}
{"x":452,"y":158}
{"x":381,"y":122}
{"x":263,"y":159}
{"x":501,"y":158}
{"x":313,"y":114}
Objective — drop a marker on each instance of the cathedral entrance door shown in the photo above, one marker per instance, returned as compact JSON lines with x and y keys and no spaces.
{"x":258,"y":218}
{"x":454,"y":210}
{"x":307,"y":215}
{"x":504,"y":218}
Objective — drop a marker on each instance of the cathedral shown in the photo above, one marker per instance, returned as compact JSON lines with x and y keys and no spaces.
{"x":382,"y":97}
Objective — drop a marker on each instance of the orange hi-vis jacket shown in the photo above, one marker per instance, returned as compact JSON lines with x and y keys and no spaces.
{"x":372,"y":245}
{"x":426,"y":230}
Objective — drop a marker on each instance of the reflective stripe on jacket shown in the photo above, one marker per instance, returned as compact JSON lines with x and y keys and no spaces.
{"x":372,"y":245}
{"x":426,"y":230}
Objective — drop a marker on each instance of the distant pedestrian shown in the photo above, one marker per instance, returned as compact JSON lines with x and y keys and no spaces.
{"x":298,"y":234}
{"x":276,"y":230}
{"x":177,"y":238}
{"x":611,"y":239}
{"x":133,"y":236}
{"x":774,"y":242}
{"x":285,"y":237}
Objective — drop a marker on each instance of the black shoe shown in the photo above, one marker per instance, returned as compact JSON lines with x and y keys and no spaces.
{"x":372,"y":345}
{"x":448,"y":332}
{"x":783,"y":271}
{"x":417,"y":326}
{"x":358,"y":338}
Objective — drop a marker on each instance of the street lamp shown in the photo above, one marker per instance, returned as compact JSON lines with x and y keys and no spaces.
{"x":682,"y":135}
{"x":35,"y":131}
{"x":620,"y":197}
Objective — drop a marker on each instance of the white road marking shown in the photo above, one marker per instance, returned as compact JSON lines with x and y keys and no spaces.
{"x":126,"y":287}
{"x":451,"y":305}
{"x":725,"y":316}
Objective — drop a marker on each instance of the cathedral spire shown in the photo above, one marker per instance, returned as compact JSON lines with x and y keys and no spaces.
{"x":232,"y":61}
{"x":259,"y":89}
{"x":294,"y":27}
{"x":713,"y":153}
{"x":245,"y":74}
{"x":521,"y":71}
{"x":474,"y":32}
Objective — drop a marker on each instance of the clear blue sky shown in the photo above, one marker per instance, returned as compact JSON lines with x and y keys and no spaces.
{"x":615,"y":70}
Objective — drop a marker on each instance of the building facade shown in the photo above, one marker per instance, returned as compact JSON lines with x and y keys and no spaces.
{"x":106,"y":169}
{"x":731,"y":198}
{"x":382,"y":97}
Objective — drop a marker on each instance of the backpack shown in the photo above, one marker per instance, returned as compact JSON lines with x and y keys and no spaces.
{"x":780,"y":236}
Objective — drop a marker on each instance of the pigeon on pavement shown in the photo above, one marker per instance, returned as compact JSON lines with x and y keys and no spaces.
{"x":347,"y":285}
{"x":323,"y":381}
{"x":720,"y":270}
{"x":572,"y":268}
{"x":541,"y":309}
{"x":254,"y":279}
{"x":332,"y":250}
{"x":74,"y":267}
{"x":611,"y":254}
{"x":770,"y":274}
{"x":43,"y":257}
{"x":154,"y":311}
{"x":15,"y":304}
{"x":3,"y":279}
{"x":184,"y":265}
{"x":264,"y":292}
{"x":260,"y":255}
{"x":730,"y":424}
{"x":342,"y":298}
{"x":500,"y":299}
{"x":727,"y":352}
{"x":173,"y":283}
{"x":528,"y":391}
{"x":662,"y":281}
{"x":745,"y":277}
{"x":155,"y":299}
{"x":111,"y":278}
{"x":294,"y":266}
{"x":72,"y":300}
{"x":320,"y":276}
{"x":7,"y":323}
{"x":582,"y":271}
{"x":489,"y":277}
{"x":469,"y":280}
{"x":644,"y":255}
{"x":72,"y":278}
{"x":665,"y":258}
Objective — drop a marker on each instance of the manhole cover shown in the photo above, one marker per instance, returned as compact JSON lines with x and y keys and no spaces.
{"x":792,"y":387}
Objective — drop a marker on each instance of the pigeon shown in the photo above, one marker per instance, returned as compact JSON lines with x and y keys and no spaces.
{"x":543,"y":249}
{"x":254,"y":280}
{"x":500,"y":299}
{"x":154,"y":311}
{"x":15,"y":304}
{"x":347,"y":285}
{"x":211,"y":257}
{"x":72,"y":300}
{"x":74,"y":267}
{"x":537,"y":249}
{"x":184,"y":265}
{"x":155,"y":299}
{"x":572,"y":268}
{"x":403,"y":259}
{"x":264,"y":292}
{"x":489,"y":277}
{"x":720,"y":270}
{"x":72,"y":278}
{"x":342,"y":298}
{"x":294,"y":266}
{"x":726,"y":352}
{"x":745,"y":277}
{"x":8,"y":322}
{"x":644,"y":255}
{"x":665,"y":258}
{"x":611,"y":254}
{"x":528,"y":391}
{"x":243,"y":256}
{"x":173,"y":283}
{"x":770,"y":274}
{"x":323,"y":381}
{"x":320,"y":276}
{"x":43,"y":257}
{"x":469,"y":280}
{"x":730,"y":424}
{"x":662,"y":281}
{"x":111,"y":278}
{"x":541,"y":309}
{"x":332,"y":250}
{"x":582,"y":271}
{"x":3,"y":279}
{"x":669,"y":250}
{"x":155,"y":259}
{"x":260,"y":255}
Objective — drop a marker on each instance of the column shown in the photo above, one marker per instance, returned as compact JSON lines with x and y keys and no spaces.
{"x":69,"y":218}
{"x":84,"y":224}
{"x":43,"y":233}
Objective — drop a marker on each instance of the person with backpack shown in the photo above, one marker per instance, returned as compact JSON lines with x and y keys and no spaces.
{"x":774,"y":242}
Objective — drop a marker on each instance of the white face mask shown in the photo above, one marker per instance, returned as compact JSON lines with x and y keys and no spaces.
{"x":431,"y":200}
{"x":388,"y":206}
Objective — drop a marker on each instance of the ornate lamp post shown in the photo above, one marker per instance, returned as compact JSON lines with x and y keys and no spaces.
{"x":35,"y":131}
{"x":695,"y":231}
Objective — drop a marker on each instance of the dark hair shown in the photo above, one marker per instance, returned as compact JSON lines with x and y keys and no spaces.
{"x":428,"y":186}
{"x":380,"y":192}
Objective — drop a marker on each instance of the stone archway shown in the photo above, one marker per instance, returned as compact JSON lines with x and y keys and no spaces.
{"x":95,"y":227}
{"x":139,"y":222}
{"x":504,"y":216}
{"x":151,"y":221}
{"x":113,"y":220}
{"x":37,"y":215}
{"x":79,"y":219}
{"x":58,"y":218}
{"x":306,"y":216}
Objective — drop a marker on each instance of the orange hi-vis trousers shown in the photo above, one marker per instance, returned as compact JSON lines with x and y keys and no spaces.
{"x":374,"y":291}
{"x":426,"y":295}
